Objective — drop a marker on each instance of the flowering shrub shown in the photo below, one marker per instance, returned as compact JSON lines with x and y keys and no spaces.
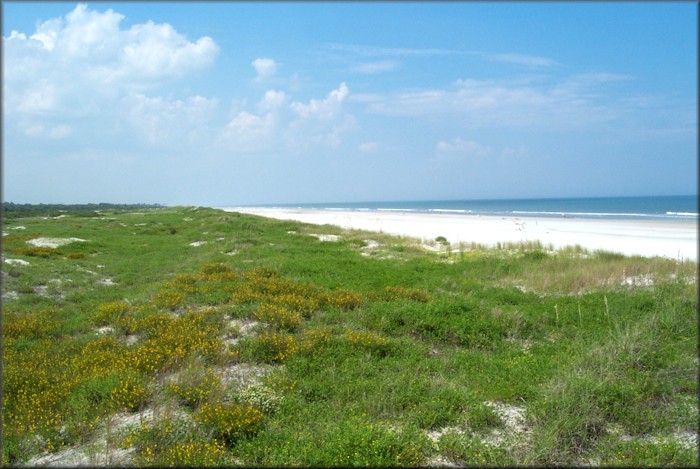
{"x":33,"y":393}
{"x":245,"y":294}
{"x":169,"y":341}
{"x":278,"y":317}
{"x":366,"y":340}
{"x":345,"y":299}
{"x":272,"y":347}
{"x":230,"y":422}
{"x":194,"y":385}
{"x":315,"y":340}
{"x":168,"y":299}
{"x":130,"y":394}
{"x":171,"y":442}
{"x":107,"y":313}
{"x":193,"y":453}
{"x":305,"y":305}
{"x":25,"y":324}
{"x":214,"y":267}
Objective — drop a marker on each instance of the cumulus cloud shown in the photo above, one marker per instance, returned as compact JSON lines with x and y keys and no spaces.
{"x":265,"y":68}
{"x":70,"y":64}
{"x":324,"y":109}
{"x":273,"y":100}
{"x":247,"y":132}
{"x":281,"y":123}
{"x":320,"y":121}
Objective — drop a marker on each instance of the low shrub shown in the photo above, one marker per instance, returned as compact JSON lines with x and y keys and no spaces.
{"x":273,"y":347}
{"x":35,"y":251}
{"x":278,"y":317}
{"x":345,"y":299}
{"x":168,"y":299}
{"x":230,"y":422}
{"x":108,"y":313}
{"x":366,"y":340}
{"x":130,"y":394}
{"x":195,"y":384}
{"x":261,"y":397}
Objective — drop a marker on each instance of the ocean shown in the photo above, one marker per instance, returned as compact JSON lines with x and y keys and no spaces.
{"x":682,"y":208}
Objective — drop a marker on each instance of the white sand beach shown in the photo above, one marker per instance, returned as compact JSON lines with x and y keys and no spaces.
{"x":672,"y":239}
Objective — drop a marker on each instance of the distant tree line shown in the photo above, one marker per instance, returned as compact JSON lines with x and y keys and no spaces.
{"x":13,"y":210}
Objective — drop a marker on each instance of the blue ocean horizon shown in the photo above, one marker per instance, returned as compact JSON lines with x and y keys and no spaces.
{"x":681,"y":208}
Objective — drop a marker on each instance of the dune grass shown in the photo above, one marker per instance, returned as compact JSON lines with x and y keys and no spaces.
{"x":192,"y":336}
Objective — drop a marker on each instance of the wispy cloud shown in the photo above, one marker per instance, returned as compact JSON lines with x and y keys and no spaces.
{"x":375,"y":51}
{"x":520,"y":59}
{"x":381,"y":66}
{"x":568,"y":102}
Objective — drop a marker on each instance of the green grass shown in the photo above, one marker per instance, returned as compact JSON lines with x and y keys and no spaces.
{"x":267,"y":346}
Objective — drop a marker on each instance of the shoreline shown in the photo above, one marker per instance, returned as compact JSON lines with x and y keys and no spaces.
{"x":648,"y":238}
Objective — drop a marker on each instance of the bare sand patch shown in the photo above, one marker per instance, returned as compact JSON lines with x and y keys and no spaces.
{"x":326,"y":237}
{"x":53,"y":243}
{"x":21,"y":262}
{"x":243,"y":374}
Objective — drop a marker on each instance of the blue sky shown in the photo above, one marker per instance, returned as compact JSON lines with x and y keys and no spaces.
{"x":260,"y":103}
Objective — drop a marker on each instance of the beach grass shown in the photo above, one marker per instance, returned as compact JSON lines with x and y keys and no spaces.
{"x":193,"y":336}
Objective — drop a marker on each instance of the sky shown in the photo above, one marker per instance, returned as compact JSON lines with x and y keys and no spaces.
{"x":244,"y":103}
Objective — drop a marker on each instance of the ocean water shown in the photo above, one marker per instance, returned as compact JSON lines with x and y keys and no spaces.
{"x":682,"y":208}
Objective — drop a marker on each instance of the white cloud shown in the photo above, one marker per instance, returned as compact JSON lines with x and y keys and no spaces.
{"x":323,"y":109}
{"x":273,"y":100}
{"x":320,"y":121}
{"x":168,"y":122}
{"x":265,"y":68}
{"x":248,"y":133}
{"x":40,"y":99}
{"x":290,"y":125}
{"x":462,"y":148}
{"x":70,"y":65}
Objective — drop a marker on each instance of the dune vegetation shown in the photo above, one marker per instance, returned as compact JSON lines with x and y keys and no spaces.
{"x":193,"y":336}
